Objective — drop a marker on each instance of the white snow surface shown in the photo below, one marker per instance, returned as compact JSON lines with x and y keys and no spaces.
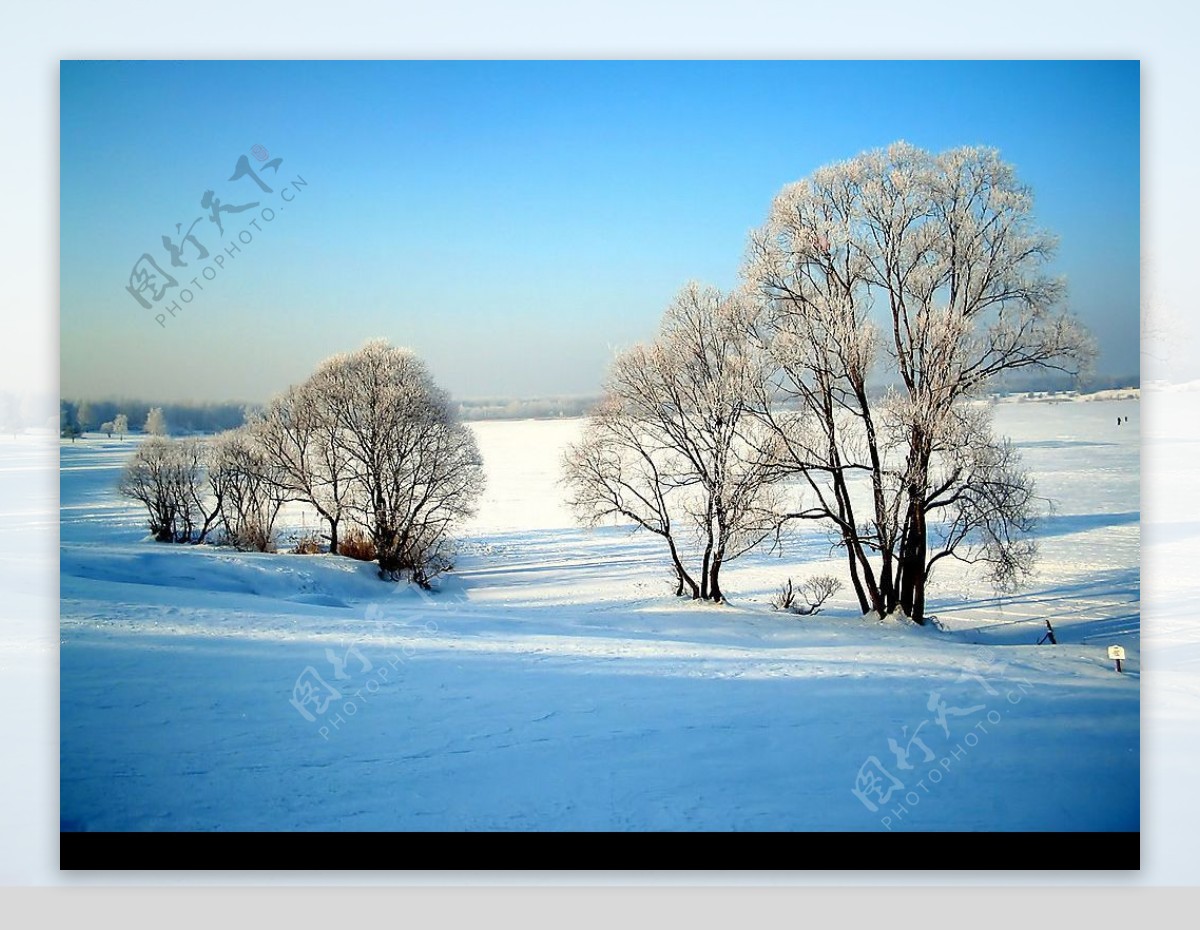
{"x":552,"y":683}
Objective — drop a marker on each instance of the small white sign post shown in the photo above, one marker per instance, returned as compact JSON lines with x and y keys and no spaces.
{"x":1116,"y":653}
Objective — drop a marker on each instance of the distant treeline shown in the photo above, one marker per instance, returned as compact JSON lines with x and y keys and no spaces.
{"x":185,"y":418}
{"x":181,"y":418}
{"x":1015,"y":382}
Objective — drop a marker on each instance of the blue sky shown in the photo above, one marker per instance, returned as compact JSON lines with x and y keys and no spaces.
{"x":515,"y":223}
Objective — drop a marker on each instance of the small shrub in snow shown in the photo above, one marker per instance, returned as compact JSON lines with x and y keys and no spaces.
{"x":809,"y":597}
{"x":308,"y":544}
{"x":419,"y":555}
{"x":250,"y":537}
{"x":785,"y":597}
{"x":356,"y":544}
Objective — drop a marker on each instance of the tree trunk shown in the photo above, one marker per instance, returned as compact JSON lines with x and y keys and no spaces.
{"x":714,"y":584}
{"x":681,"y":572}
{"x":918,"y":614}
{"x":912,"y":552}
{"x":863,"y":604}
{"x":886,"y":597}
{"x":869,"y":593}
{"x":866,"y":586}
{"x":912,"y":589}
{"x":887,"y":583}
{"x":892,"y":595}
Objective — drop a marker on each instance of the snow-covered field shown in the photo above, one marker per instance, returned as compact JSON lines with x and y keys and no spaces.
{"x":552,"y":683}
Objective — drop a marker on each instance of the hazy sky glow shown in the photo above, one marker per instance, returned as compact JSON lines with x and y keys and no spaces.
{"x":514,"y":223}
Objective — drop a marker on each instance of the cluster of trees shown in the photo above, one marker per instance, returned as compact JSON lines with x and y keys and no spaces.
{"x":118,"y":426}
{"x":171,"y":479}
{"x":194,"y":487}
{"x":369,"y":441}
{"x":750,"y":410}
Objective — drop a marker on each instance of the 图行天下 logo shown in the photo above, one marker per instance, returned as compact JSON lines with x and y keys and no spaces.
{"x":160,"y":280}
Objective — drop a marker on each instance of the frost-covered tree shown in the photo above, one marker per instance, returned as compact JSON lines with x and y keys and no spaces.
{"x":371,"y":436}
{"x":83,"y":416}
{"x":617,"y":471}
{"x":156,"y":423}
{"x":107,"y":428}
{"x":67,"y":427}
{"x":120,"y":425}
{"x":168,"y":477}
{"x":928,"y":272}
{"x":300,"y":435}
{"x":147,"y":479}
{"x":674,"y":448}
{"x":244,"y":482}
